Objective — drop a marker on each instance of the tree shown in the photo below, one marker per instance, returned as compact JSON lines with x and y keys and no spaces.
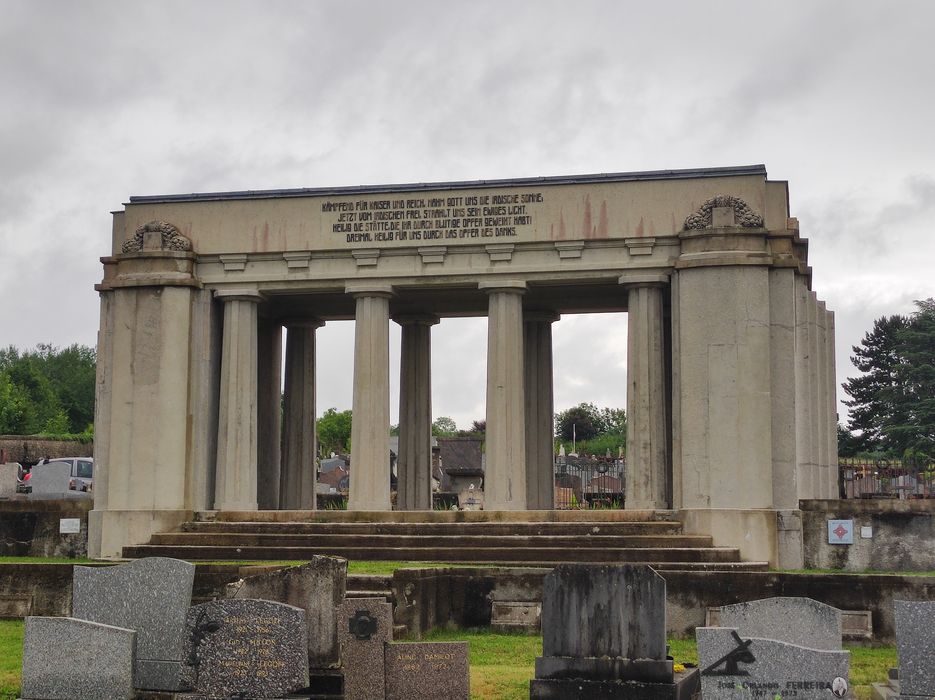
{"x":443,"y":426}
{"x":916,"y":373}
{"x":613,"y":421}
{"x":334,"y":431}
{"x":583,"y":421}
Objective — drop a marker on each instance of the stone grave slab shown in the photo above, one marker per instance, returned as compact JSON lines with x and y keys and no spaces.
{"x":915,"y":647}
{"x":365,"y":626}
{"x":800,"y":621}
{"x":65,"y":658}
{"x":317,"y":587}
{"x":151,"y":596}
{"x":513,"y":616}
{"x":735,"y":667}
{"x":246,"y":648}
{"x":427,"y":671}
{"x":8,"y":472}
{"x":51,"y":481}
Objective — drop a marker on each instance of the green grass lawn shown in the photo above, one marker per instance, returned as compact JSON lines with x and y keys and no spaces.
{"x":11,"y":657}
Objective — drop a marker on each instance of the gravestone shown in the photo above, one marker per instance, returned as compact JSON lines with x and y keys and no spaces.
{"x":246,"y":648}
{"x":65,"y":658}
{"x":151,"y":596}
{"x":801,"y":621}
{"x":52,"y":481}
{"x":8,"y":473}
{"x":427,"y":671}
{"x":604,"y":635}
{"x":365,"y":626}
{"x":317,"y":587}
{"x":512,"y":616}
{"x":915,"y":647}
{"x":735,"y":667}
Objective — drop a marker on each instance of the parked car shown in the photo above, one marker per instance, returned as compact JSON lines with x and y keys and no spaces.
{"x":82,"y":471}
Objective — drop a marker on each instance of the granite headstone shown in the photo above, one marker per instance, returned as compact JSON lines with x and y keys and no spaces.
{"x":65,"y":658}
{"x":427,"y":671}
{"x":801,"y":621}
{"x":246,"y":648}
{"x":735,"y":667}
{"x":915,"y":647}
{"x":318,"y":588}
{"x":151,"y":596}
{"x":52,"y":480}
{"x":365,"y":625}
{"x":8,"y":472}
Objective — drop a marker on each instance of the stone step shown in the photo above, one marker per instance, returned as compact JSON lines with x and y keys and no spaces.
{"x":445,"y":554}
{"x":436,"y":516}
{"x":435,"y":540}
{"x":369,"y":582}
{"x":446,"y":528}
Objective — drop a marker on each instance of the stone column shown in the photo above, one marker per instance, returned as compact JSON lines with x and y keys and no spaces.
{"x":814,"y":384}
{"x":414,"y":462}
{"x":832,"y":399}
{"x":370,"y":431}
{"x":803,"y":392}
{"x":236,"y":473}
{"x":299,"y":443}
{"x":540,"y":479}
{"x":647,"y":451}
{"x":269,"y":412}
{"x":505,"y":475}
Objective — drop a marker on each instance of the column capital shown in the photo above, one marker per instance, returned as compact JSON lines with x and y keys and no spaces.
{"x":301,"y":322}
{"x":508,"y":286}
{"x":536,"y":315}
{"x":416,"y":319}
{"x":368,"y":289}
{"x":242,"y":294}
{"x":638,"y":278}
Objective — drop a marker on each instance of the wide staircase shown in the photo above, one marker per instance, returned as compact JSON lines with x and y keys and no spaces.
{"x":531,"y":538}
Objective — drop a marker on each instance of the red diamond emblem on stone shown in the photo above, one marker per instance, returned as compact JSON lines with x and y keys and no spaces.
{"x":840,"y":531}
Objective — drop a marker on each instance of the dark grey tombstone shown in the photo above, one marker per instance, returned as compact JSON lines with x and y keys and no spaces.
{"x":365,"y":626}
{"x":915,"y":647}
{"x":151,"y":596}
{"x":427,"y":671}
{"x":65,"y":658}
{"x":737,"y":667}
{"x":604,"y":636}
{"x":246,"y":648}
{"x":801,"y":621}
{"x":318,"y":588}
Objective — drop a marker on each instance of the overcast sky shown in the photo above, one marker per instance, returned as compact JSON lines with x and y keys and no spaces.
{"x":103,"y":100}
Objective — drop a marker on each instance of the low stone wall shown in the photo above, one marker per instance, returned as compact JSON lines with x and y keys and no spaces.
{"x":28,"y":449}
{"x":31,"y":528}
{"x":902,"y":535}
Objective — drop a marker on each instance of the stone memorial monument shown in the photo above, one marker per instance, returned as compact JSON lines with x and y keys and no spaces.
{"x":150,"y":596}
{"x":427,"y":671}
{"x":53,"y":480}
{"x":604,"y":636}
{"x":915,"y":646}
{"x":65,"y":659}
{"x":801,"y":621}
{"x":365,"y":627}
{"x":736,"y":667}
{"x":246,"y":648}
{"x":8,"y":473}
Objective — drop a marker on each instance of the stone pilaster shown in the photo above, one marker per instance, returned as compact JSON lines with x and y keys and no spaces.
{"x":505,"y":475}
{"x":782,"y":367}
{"x":803,"y":393}
{"x":647,"y":447}
{"x":832,"y":399}
{"x":269,"y":412}
{"x":299,"y":444}
{"x":540,"y":409}
{"x":414,"y":461}
{"x":236,"y":472}
{"x":370,"y":457}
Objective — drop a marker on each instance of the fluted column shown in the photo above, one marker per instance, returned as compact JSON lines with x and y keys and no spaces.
{"x":540,"y":480}
{"x":370,"y":430}
{"x":647,"y":449}
{"x":236,"y":473}
{"x":414,"y":462}
{"x":505,"y":475}
{"x":299,"y":440}
{"x":269,"y":412}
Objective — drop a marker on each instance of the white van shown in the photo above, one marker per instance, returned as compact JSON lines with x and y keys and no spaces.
{"x":82,"y":471}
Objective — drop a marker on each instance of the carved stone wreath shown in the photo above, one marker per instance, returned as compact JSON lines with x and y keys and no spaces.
{"x":743,"y":215}
{"x":171,"y":238}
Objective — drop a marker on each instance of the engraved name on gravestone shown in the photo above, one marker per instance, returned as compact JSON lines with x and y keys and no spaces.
{"x":735,"y":667}
{"x":318,"y":588}
{"x":65,"y":658}
{"x":151,"y":596}
{"x":427,"y":671}
{"x":800,"y":621}
{"x":915,"y":647}
{"x":365,"y":625}
{"x":247,"y":648}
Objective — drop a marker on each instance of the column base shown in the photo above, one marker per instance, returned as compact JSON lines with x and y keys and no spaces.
{"x":109,"y":531}
{"x":761,"y":534}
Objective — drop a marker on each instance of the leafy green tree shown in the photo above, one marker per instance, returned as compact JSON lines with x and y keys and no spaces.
{"x":334,"y":431}
{"x":916,"y":373}
{"x":849,"y":445}
{"x":443,"y":426}
{"x":613,"y":421}
{"x":72,"y":372}
{"x":583,"y":421}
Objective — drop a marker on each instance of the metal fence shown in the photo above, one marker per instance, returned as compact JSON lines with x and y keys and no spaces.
{"x":887,"y":478}
{"x":589,"y":482}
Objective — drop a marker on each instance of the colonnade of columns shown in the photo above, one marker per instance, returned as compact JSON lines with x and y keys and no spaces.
{"x":268,"y":463}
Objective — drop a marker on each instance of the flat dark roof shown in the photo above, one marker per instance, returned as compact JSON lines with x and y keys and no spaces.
{"x":460,"y":185}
